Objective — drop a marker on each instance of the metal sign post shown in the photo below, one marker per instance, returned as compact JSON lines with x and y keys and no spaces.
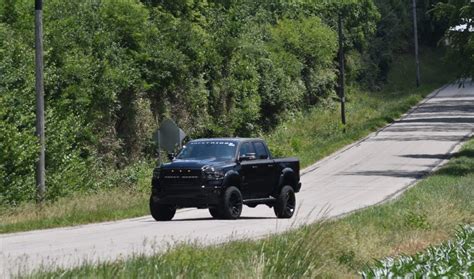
{"x":156,"y":138}
{"x":39,"y":87}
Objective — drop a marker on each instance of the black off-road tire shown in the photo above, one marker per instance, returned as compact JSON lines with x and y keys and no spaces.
{"x":161,"y":212}
{"x":231,"y":205}
{"x":215,"y":212}
{"x":286,"y":203}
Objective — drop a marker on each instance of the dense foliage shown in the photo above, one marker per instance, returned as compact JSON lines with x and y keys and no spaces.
{"x":459,"y":14}
{"x":114,"y":69}
{"x":453,"y":259}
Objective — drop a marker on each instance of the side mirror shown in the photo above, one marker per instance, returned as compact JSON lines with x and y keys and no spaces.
{"x":248,"y":157}
{"x":171,"y":156}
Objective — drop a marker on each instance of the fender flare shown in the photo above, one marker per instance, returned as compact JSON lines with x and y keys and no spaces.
{"x":231,"y":178}
{"x":287,"y":177}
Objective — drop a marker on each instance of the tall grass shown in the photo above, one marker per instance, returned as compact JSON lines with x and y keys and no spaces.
{"x":127,"y":199}
{"x":75,"y":210}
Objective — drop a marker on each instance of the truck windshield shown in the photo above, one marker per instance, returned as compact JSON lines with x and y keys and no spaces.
{"x":201,"y":150}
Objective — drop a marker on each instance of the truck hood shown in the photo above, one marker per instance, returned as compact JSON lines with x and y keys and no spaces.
{"x":196,"y":164}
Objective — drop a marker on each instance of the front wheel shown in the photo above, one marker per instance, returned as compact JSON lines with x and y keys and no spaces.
{"x":285,"y":203}
{"x":161,"y":212}
{"x":215,"y":213}
{"x":231,"y":206}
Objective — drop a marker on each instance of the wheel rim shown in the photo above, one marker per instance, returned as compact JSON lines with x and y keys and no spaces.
{"x":290,"y":202}
{"x":235,"y":204}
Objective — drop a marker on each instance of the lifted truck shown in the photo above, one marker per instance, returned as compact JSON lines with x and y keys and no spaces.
{"x":222,"y":175}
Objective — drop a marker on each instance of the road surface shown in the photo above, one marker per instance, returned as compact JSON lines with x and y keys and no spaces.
{"x":366,"y":173}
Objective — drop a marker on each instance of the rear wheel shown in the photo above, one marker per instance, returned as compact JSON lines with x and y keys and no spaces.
{"x":231,"y":206}
{"x":161,"y":212}
{"x":285,"y":203}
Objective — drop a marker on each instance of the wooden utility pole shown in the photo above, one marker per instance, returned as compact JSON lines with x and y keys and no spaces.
{"x":341,"y":71}
{"x":415,"y":31}
{"x":39,"y":87}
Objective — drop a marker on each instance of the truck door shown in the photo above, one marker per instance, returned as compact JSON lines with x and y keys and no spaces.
{"x":266,"y":169}
{"x":248,"y":171}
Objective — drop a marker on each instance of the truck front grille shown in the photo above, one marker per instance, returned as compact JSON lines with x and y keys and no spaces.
{"x":181,"y":181}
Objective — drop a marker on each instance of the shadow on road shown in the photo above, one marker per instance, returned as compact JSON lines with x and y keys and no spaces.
{"x":427,"y":156}
{"x":402,"y":138}
{"x":454,"y":107}
{"x":210,"y":218}
{"x":460,"y":167}
{"x":425,"y":128}
{"x":207,"y":219}
{"x":454,"y":120}
{"x":391,"y":173}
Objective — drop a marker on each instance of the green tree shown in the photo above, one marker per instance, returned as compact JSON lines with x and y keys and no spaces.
{"x":459,"y":13}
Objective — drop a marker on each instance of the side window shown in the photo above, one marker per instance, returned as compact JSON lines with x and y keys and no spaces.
{"x":246,"y":148}
{"x":261,"y":150}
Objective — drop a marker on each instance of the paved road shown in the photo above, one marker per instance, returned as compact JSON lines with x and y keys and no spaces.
{"x":366,"y":173}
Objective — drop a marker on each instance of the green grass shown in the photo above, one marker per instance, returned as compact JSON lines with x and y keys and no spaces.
{"x":75,"y":210}
{"x":129,"y":199}
{"x":310,"y":137}
{"x":427,"y":214}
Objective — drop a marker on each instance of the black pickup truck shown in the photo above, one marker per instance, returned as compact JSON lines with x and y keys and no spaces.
{"x":222,"y":175}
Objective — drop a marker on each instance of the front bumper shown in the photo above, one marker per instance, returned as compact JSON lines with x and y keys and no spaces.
{"x":202,"y":197}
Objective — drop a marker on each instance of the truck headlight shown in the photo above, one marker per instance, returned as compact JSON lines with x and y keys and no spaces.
{"x":212,"y":174}
{"x":216,"y":175}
